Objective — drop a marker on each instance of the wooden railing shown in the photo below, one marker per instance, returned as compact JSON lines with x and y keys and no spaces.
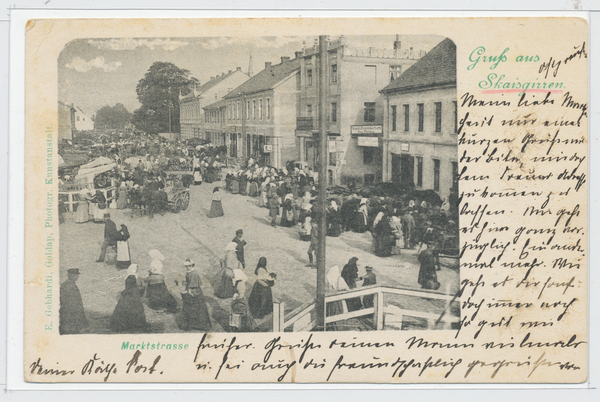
{"x":303,"y":318}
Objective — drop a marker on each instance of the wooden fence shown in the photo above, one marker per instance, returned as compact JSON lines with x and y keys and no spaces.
{"x":303,"y":318}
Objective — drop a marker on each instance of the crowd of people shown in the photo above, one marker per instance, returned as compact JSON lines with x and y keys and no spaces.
{"x":149,"y":288}
{"x":291,"y":197}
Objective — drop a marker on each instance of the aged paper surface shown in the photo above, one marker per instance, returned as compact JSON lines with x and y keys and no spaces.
{"x":478,"y":125}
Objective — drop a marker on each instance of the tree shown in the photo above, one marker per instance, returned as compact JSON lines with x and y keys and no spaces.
{"x":158,"y":92}
{"x":116,"y":117}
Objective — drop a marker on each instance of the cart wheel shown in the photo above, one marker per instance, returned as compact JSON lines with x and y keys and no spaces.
{"x":176,"y":206}
{"x":185,"y":200}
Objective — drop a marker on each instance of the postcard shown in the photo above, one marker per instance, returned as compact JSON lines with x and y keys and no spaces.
{"x":306,"y":200}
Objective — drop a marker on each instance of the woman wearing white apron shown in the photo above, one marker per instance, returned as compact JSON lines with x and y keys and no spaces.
{"x":123,"y":255}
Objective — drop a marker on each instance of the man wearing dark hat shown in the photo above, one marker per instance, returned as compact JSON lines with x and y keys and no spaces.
{"x":240,"y":246}
{"x":111,"y":237}
{"x":369,"y":279}
{"x":71,"y":313}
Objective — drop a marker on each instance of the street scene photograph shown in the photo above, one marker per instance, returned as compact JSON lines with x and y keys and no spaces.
{"x":258,"y":184}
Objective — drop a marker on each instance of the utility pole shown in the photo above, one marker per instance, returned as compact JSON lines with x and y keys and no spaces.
{"x":322,"y":198}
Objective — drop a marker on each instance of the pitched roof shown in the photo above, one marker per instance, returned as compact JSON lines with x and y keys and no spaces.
{"x":438,"y":67}
{"x":266,"y":79}
{"x":209,"y":84}
{"x":216,"y":105}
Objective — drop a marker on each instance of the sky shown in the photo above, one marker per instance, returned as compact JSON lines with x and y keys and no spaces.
{"x":93,"y":72}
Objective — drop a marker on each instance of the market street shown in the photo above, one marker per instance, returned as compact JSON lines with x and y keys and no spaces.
{"x":191,"y":234}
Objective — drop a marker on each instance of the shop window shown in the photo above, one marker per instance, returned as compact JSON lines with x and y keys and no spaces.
{"x":369,"y":155}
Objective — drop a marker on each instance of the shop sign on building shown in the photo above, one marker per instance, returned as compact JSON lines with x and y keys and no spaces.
{"x":367,"y":129}
{"x":368,"y":142}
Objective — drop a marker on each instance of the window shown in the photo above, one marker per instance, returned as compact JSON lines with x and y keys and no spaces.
{"x":229,"y":111}
{"x":334,"y":112}
{"x":395,"y":72}
{"x":420,"y":109}
{"x":419,"y":171}
{"x":406,"y":118}
{"x":334,"y":73}
{"x":369,"y":155}
{"x":455,"y":117}
{"x":438,"y":117}
{"x":247,"y":116}
{"x":393,"y":116}
{"x":254,"y":109}
{"x":332,"y":158}
{"x":260,"y":110}
{"x":308,"y":110}
{"x":233,"y":145}
{"x":454,"y":174}
{"x":237,"y":111}
{"x":369,"y":112}
{"x":268,"y":108}
{"x":309,"y":77}
{"x":436,"y":175}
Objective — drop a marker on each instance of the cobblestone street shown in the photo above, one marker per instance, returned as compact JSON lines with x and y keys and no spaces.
{"x":191,"y":234}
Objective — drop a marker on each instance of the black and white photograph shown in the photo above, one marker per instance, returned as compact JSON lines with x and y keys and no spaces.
{"x":258,"y":184}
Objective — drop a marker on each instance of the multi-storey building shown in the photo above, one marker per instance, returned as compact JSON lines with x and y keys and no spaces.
{"x":215,"y":123}
{"x":355,"y":107}
{"x":191,"y":113}
{"x":420,"y":124}
{"x":261,"y":115}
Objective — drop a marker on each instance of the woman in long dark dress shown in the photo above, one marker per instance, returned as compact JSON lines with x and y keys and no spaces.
{"x":261,"y":298}
{"x":216,"y":208}
{"x":157,"y":294}
{"x":195,"y":313}
{"x":129,"y":314}
{"x":350,"y":275}
{"x":333,"y":220}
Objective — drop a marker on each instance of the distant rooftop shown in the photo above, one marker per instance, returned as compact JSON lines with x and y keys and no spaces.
{"x":438,"y":67}
{"x":267,"y":78}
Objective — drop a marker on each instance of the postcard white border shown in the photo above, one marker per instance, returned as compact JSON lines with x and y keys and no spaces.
{"x":16,"y":180}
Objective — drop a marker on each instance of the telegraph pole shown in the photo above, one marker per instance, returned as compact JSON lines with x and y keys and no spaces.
{"x":322,"y":198}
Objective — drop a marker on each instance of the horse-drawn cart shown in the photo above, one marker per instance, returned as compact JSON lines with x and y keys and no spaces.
{"x":178,"y":199}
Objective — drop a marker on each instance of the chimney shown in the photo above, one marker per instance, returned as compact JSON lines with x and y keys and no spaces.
{"x":222,"y":74}
{"x":229,"y":72}
{"x":212,"y":77}
{"x":397,"y":43}
{"x":267,"y":64}
{"x":298,"y":54}
{"x":238,"y":69}
{"x":285,"y":60}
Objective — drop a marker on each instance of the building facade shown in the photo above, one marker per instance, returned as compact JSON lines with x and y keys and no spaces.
{"x":191,"y":112}
{"x":215,"y":123}
{"x":355,"y":107}
{"x":82,"y":121}
{"x":420,"y":145}
{"x":261,"y":115}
